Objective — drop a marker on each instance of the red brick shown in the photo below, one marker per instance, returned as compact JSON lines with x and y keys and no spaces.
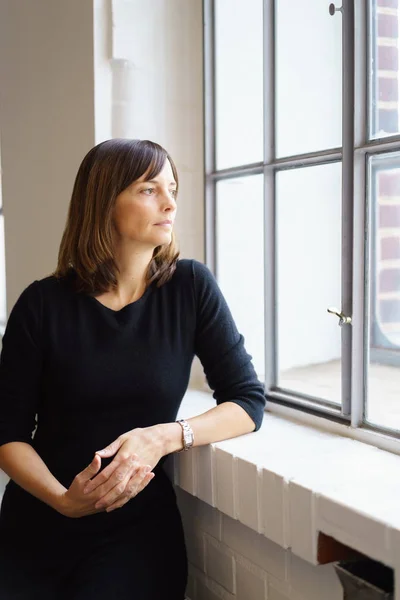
{"x":388,"y":3}
{"x":389,"y":280}
{"x":388,"y":90}
{"x":389,"y":216}
{"x":388,"y":26}
{"x":388,"y":120}
{"x":388,"y":58}
{"x":390,"y":248}
{"x":389,"y":183}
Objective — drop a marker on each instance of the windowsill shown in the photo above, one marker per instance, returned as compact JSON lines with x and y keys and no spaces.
{"x":290,"y":481}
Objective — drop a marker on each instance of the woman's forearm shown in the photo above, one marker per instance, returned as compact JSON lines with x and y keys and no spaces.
{"x":225,"y":421}
{"x":24,"y":466}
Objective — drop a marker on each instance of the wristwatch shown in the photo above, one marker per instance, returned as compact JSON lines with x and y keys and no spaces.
{"x":187,"y":435}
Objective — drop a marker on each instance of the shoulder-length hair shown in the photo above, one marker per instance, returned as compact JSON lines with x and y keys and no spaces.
{"x":86,"y":248}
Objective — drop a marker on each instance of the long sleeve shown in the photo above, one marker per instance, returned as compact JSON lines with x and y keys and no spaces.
{"x":220,"y":348}
{"x":20,"y":368}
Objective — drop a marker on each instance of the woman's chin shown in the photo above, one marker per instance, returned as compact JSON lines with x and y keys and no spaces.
{"x":163,"y":238}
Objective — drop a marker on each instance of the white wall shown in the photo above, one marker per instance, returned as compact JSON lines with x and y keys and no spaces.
{"x":46,"y":124}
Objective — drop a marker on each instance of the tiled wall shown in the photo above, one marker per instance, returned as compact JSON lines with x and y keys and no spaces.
{"x":228,"y":560}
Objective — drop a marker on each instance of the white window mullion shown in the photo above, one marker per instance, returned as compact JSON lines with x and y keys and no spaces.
{"x":360,"y":310}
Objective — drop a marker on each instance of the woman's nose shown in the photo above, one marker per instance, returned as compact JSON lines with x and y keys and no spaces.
{"x":169,"y":201}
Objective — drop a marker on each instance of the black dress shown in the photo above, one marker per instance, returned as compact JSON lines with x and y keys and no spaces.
{"x":90,"y":373}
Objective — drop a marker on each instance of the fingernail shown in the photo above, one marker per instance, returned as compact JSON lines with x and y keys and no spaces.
{"x":99,"y":451}
{"x":147,"y":469}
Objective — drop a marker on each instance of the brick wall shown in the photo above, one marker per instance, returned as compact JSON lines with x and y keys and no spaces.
{"x":228,"y":561}
{"x":386,"y":304}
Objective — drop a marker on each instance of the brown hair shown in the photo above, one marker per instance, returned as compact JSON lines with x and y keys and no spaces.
{"x":86,"y":247}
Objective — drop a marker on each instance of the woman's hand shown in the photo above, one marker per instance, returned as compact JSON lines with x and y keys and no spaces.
{"x":126,"y":475}
{"x":75,"y":503}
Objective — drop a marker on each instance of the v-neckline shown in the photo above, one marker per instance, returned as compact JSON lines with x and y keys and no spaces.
{"x":127,"y":306}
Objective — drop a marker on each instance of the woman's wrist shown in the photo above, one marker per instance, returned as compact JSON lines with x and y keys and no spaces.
{"x":170,"y":437}
{"x":59,"y":501}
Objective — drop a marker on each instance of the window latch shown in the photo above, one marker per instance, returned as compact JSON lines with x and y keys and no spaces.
{"x":343,"y":320}
{"x":333,"y":9}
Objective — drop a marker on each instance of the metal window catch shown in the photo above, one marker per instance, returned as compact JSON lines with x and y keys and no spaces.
{"x":343,"y":320}
{"x":333,"y":9}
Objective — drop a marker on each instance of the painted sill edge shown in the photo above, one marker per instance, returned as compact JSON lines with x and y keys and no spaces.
{"x":317,"y":484}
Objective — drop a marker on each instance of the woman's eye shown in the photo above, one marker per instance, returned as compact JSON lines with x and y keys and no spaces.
{"x":148,"y":191}
{"x":174,"y":193}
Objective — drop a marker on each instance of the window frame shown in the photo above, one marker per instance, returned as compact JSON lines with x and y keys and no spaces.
{"x":356,"y":218}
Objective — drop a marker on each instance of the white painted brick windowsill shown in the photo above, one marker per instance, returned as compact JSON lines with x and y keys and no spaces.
{"x":290,"y":481}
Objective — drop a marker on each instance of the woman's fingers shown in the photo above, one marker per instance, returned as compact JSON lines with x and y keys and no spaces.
{"x":111,"y":449}
{"x":125,"y":487}
{"x":116,"y":468}
{"x":90,"y":470}
{"x":119,"y":477}
{"x":133,"y":491}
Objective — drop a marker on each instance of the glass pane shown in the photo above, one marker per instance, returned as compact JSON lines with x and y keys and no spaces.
{"x":240,"y":258}
{"x":383,"y":405}
{"x":239,"y":82}
{"x":308,"y":76}
{"x":308,"y":217}
{"x":383,"y":68}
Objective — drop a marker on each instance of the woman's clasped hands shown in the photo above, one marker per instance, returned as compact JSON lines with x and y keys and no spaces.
{"x":136,"y":452}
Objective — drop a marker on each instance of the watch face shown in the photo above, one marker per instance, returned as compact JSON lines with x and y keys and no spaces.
{"x":188,"y":437}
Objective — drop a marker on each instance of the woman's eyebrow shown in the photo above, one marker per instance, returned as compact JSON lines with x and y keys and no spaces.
{"x":155,"y":181}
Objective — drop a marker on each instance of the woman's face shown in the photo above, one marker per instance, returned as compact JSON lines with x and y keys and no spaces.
{"x":145,"y":211}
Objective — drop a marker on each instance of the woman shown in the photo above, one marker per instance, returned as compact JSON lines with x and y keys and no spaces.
{"x":101,"y":353}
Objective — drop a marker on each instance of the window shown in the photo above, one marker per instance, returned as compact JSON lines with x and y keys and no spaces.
{"x":302,"y":106}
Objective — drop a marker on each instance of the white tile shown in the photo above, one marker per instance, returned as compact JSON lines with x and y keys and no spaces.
{"x":191,"y":584}
{"x":224,"y":482}
{"x":273,"y":506}
{"x":207,"y":589}
{"x":393,"y":543}
{"x":205,"y":473}
{"x":208,"y":519}
{"x":251,"y":583}
{"x":186,"y":476}
{"x":247,"y":500}
{"x":220,"y":564}
{"x":274,"y":594}
{"x":255,"y":547}
{"x":195,"y":546}
{"x":352,"y":528}
{"x":302,"y":532}
{"x":204,"y":592}
{"x":396,"y":579}
{"x":306,"y":581}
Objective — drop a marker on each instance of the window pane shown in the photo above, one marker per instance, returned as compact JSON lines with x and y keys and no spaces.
{"x":309,"y":77}
{"x":240,"y":259}
{"x":384,"y":65}
{"x":239,"y":82}
{"x":308,"y":217}
{"x":383,"y":406}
